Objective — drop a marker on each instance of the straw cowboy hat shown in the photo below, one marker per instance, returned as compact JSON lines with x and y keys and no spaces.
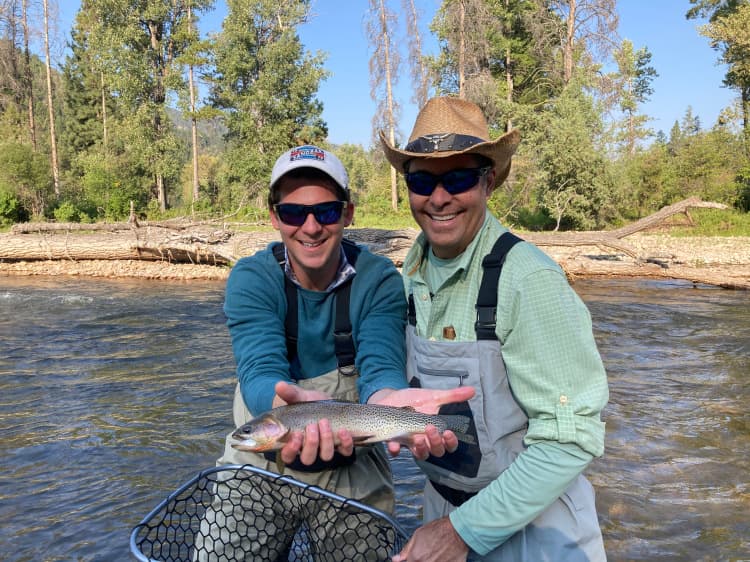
{"x":447,"y":126}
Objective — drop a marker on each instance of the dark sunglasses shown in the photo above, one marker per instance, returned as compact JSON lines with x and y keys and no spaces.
{"x":296,"y":215}
{"x":454,"y":182}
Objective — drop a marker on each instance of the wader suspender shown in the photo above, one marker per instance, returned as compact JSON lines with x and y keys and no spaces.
{"x":342,"y":332}
{"x":487,"y":298}
{"x":342,"y":340}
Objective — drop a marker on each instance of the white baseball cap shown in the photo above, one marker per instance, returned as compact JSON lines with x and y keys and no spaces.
{"x":309,"y":156}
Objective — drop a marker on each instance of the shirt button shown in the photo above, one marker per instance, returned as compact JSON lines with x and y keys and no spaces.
{"x":432,"y":338}
{"x":424,"y":296}
{"x":563,"y":399}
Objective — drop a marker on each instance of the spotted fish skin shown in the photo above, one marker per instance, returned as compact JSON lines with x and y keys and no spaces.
{"x":368,"y":423}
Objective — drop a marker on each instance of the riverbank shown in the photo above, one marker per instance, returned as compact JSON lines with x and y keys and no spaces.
{"x":723,"y":261}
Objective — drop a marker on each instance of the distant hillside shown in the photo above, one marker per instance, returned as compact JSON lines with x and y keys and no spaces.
{"x":210,"y":132}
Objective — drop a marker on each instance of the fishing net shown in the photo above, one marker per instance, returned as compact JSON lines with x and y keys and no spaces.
{"x":245,"y":513}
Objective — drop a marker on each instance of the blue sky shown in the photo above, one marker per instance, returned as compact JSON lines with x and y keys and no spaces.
{"x":688,"y":71}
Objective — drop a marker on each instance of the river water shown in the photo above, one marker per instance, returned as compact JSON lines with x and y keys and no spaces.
{"x":113,"y":393}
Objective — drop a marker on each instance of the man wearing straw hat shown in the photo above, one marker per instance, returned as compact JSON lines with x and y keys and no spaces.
{"x":491,"y":311}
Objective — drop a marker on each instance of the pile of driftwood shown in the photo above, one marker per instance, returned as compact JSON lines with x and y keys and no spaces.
{"x":212,"y":243}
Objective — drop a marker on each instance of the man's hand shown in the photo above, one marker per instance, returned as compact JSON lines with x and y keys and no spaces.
{"x":436,"y":541}
{"x":318,"y":440}
{"x":427,"y":401}
{"x":291,"y":394}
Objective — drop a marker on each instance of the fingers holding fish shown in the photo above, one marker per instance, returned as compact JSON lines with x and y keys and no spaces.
{"x":292,"y":447}
{"x":345,"y":442}
{"x":317,"y":441}
{"x":433,"y":442}
{"x":311,"y":448}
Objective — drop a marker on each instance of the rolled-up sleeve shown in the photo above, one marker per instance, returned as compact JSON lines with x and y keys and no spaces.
{"x":553,"y":364}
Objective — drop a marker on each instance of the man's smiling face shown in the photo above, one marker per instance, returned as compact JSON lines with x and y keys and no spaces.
{"x":450,"y":222}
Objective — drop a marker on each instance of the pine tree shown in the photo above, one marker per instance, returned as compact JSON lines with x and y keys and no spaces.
{"x":265,"y":82}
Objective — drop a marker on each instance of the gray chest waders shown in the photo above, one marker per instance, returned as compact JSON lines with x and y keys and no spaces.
{"x":497,"y":422}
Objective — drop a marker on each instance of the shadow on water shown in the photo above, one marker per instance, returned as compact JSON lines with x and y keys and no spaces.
{"x":113,"y":393}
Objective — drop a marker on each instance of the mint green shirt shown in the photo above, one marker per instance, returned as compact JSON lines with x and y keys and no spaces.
{"x":553,"y":367}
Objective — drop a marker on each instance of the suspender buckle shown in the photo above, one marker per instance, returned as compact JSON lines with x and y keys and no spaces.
{"x":486,"y":322}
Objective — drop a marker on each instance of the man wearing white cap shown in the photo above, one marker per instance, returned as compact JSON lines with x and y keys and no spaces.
{"x":489,"y":310}
{"x":310,"y":318}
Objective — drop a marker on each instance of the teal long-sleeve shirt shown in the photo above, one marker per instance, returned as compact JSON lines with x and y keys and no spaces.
{"x":255,"y":307}
{"x":553,"y":367}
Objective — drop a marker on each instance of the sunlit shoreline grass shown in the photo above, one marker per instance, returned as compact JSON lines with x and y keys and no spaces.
{"x":705,"y":222}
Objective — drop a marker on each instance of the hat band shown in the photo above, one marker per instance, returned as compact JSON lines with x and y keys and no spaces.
{"x":448,"y":142}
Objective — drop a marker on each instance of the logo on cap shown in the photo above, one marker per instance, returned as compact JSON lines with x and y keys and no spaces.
{"x":307,"y":153}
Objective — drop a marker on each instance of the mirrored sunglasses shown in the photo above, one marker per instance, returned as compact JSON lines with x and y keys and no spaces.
{"x":296,"y":215}
{"x":454,"y":182}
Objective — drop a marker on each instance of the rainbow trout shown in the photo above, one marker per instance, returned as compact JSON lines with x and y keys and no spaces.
{"x":368,"y":423}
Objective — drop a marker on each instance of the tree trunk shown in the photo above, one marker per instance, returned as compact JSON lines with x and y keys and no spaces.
{"x":193,"y":119}
{"x":53,"y":139}
{"x":462,"y":50}
{"x":508,"y":72}
{"x":419,"y":72}
{"x":745,"y":100}
{"x":569,"y":42}
{"x":104,"y":114}
{"x":391,"y":118}
{"x":28,"y":80}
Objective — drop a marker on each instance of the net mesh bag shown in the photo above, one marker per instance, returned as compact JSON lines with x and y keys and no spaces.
{"x":245,"y":513}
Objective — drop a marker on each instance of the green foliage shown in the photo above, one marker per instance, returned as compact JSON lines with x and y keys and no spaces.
{"x":743,"y":184}
{"x":83,"y":113}
{"x":107,"y":186}
{"x":574,"y":178}
{"x":67,"y":212}
{"x":127,"y":69}
{"x":26,"y":175}
{"x":11,"y":210}
{"x":265,"y":82}
{"x":714,"y":222}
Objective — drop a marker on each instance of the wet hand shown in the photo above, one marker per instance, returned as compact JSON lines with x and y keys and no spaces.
{"x":436,"y":541}
{"x":425,"y":400}
{"x":287,"y":393}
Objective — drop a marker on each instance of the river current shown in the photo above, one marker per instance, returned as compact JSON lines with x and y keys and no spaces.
{"x":115,"y":392}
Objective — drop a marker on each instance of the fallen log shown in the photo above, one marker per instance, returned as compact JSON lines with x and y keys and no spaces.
{"x":596,"y":252}
{"x":613,"y":238}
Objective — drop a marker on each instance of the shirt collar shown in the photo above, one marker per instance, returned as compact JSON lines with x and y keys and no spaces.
{"x":344,"y":273}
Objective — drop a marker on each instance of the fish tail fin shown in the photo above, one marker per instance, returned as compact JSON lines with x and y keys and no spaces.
{"x":456,"y":423}
{"x":459,"y":425}
{"x":466,"y":438}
